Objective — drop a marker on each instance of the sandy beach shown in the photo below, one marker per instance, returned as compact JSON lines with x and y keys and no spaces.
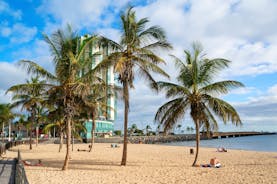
{"x":146,"y":164}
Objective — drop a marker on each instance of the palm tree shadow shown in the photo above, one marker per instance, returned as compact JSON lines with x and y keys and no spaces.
{"x":82,"y":164}
{"x":255,"y":164}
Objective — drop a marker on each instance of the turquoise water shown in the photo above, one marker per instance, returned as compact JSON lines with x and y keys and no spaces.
{"x":254,"y":143}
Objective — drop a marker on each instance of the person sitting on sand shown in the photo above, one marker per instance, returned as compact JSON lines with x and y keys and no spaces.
{"x":221,"y":149}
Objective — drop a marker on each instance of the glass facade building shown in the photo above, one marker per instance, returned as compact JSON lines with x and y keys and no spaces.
{"x":105,"y":121}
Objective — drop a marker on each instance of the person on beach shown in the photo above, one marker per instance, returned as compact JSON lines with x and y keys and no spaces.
{"x":221,"y":149}
{"x":214,"y":162}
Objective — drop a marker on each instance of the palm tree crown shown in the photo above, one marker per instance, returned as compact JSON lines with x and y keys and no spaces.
{"x":197,"y":93}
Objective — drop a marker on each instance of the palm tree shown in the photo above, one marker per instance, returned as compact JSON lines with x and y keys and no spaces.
{"x":6,"y":115}
{"x":147,"y":128}
{"x":41,"y":116}
{"x":196,"y":91}
{"x":73,"y":76}
{"x":133,"y":128}
{"x":60,"y":127}
{"x":95,"y":104}
{"x":56,"y":120}
{"x":136,"y":51}
{"x":29,"y":96}
{"x":179,"y":126}
{"x":21,"y":122}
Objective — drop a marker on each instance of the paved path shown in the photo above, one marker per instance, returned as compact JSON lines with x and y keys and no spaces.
{"x":7,"y":170}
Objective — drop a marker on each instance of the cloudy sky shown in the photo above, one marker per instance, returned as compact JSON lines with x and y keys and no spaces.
{"x":243,"y":31}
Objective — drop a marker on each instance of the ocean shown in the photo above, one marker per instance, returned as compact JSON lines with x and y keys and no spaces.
{"x":266,"y":143}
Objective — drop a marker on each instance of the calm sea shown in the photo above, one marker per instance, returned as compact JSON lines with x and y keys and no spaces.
{"x":255,"y":143}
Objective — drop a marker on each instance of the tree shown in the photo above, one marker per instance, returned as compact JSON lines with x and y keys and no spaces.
{"x":136,"y":51}
{"x":21,"y":122}
{"x":95,"y":104}
{"x":147,"y":129}
{"x":41,"y":116}
{"x":56,"y":119}
{"x":133,"y":128}
{"x":29,"y":96}
{"x":196,"y":91}
{"x":179,"y":126}
{"x":6,"y":115}
{"x":72,"y":80}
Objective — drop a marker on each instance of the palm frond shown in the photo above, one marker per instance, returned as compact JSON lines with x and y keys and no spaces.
{"x":221,"y":87}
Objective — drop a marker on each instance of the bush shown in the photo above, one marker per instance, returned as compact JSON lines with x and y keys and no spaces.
{"x":117,"y":132}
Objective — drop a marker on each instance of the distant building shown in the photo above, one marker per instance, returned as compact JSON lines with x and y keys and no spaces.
{"x":105,"y":120}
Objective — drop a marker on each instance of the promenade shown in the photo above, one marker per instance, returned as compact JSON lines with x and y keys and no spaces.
{"x":7,"y":171}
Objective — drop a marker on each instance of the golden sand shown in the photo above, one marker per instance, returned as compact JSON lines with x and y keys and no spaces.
{"x":147,"y":164}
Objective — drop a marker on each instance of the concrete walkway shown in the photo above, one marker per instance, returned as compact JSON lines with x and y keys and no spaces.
{"x":7,"y":170}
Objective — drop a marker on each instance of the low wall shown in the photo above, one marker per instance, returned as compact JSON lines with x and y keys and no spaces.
{"x":147,"y":139}
{"x":161,"y":139}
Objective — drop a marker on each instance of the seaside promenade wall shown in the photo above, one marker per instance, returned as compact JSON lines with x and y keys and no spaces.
{"x":148,"y":139}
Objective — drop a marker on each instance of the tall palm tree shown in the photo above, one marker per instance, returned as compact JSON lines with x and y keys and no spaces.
{"x":136,"y":51}
{"x":73,"y":76}
{"x":29,"y":96}
{"x":197,"y":92}
{"x":6,"y":115}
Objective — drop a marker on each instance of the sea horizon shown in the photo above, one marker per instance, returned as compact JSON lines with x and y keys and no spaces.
{"x":261,"y":143}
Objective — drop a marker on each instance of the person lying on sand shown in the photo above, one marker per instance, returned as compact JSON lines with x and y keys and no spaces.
{"x":28,"y":163}
{"x":214,"y":162}
{"x":114,"y":146}
{"x":221,"y":149}
{"x":82,"y":150}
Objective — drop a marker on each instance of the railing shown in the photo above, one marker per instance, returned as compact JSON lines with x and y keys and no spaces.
{"x":20,"y":175}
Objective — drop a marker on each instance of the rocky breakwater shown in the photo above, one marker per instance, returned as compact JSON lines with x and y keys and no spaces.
{"x":160,"y":139}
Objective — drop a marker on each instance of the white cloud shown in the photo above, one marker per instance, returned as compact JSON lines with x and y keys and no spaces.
{"x":113,"y":34}
{"x":22,"y":34}
{"x":84,"y":13}
{"x":238,"y":30}
{"x":5,"y":9}
{"x":10,"y":74}
{"x":38,"y":51}
{"x":242,"y":90}
{"x":18,"y":33}
{"x":5,"y":31}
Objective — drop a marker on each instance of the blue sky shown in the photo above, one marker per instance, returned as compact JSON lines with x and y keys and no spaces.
{"x":239,"y":30}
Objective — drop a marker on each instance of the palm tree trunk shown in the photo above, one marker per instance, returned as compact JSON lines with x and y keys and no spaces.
{"x":92,"y":133}
{"x":126,"y":110}
{"x":3,"y":131}
{"x":68,"y":142}
{"x":36,"y":136}
{"x":9,"y":139}
{"x":61,"y":141}
{"x":30,"y":139}
{"x":197,"y":141}
{"x":72,"y":141}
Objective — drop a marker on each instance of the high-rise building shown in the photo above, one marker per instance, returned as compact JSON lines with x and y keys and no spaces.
{"x":104,"y":120}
